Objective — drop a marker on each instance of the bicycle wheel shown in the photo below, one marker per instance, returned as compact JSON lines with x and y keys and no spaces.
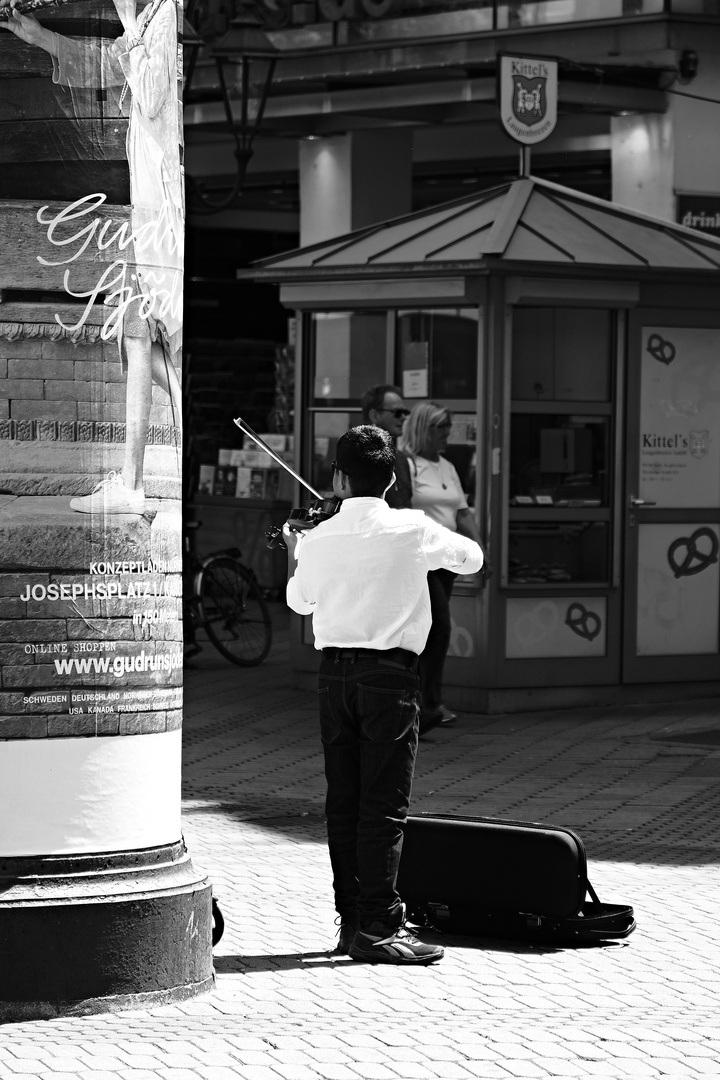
{"x":234,"y":613}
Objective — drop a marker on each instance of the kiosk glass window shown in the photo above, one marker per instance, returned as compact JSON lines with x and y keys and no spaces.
{"x":326,"y":429}
{"x":349,"y":354}
{"x":437,"y":353}
{"x":560,"y":469}
{"x":558,"y":460}
{"x":558,"y":552}
{"x":561,"y":354}
{"x":559,"y":499}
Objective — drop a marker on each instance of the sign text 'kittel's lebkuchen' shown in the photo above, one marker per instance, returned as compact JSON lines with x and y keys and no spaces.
{"x":527,"y":96}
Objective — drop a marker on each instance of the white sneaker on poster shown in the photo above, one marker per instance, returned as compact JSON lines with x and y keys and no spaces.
{"x":111,"y":496}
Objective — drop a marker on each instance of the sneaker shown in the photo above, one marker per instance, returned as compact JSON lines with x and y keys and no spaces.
{"x":346,"y":934}
{"x":111,"y":497}
{"x":379,"y":944}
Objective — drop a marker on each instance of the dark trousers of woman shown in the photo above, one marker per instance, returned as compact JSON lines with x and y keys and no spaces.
{"x":369,"y":728}
{"x":432,"y":658}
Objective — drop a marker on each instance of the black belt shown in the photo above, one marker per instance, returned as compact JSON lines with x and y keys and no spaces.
{"x":403,"y":657}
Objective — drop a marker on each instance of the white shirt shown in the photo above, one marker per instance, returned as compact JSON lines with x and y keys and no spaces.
{"x":362,"y":575}
{"x":436,"y":490}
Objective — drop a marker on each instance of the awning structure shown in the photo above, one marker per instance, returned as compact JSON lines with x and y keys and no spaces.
{"x":525,"y":223}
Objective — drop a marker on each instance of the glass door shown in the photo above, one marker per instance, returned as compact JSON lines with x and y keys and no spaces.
{"x":672,"y":506}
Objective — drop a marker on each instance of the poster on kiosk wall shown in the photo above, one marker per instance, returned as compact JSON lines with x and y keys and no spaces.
{"x":680,"y":417}
{"x":91,"y":230}
{"x":678,"y":564}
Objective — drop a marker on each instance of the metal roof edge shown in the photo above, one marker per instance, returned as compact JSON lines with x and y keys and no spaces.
{"x":509,"y":215}
{"x":349,"y":272}
{"x":626,"y":212}
{"x":493,"y":264}
{"x":368,"y":230}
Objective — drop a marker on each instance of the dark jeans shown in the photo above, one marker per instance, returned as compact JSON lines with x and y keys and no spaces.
{"x":369,"y":727}
{"x":432,"y":658}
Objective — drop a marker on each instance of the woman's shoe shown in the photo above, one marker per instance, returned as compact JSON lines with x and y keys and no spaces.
{"x":429,"y":719}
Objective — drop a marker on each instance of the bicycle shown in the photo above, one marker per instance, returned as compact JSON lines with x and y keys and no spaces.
{"x":222,"y":597}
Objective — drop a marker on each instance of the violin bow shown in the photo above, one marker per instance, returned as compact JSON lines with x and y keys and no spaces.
{"x":247,"y":430}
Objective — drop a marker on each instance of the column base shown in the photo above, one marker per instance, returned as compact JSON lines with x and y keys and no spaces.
{"x":99,"y":933}
{"x":49,"y":1010}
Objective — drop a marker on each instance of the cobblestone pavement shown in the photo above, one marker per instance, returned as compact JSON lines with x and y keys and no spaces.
{"x":640,"y":784}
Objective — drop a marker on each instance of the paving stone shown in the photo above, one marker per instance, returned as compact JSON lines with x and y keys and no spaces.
{"x":487,"y":1070}
{"x":449,"y":1070}
{"x":170,"y":1073}
{"x":27,"y":1054}
{"x":601,"y":1069}
{"x":555,"y":1066}
{"x":23,"y":1067}
{"x":373,"y":1071}
{"x":138,"y":1074}
{"x":207,"y":1071}
{"x":296,"y":1072}
{"x":282,"y":1010}
{"x":522,"y":1068}
{"x":413,"y":1071}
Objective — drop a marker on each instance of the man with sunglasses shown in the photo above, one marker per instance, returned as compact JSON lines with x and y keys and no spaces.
{"x":384,"y":407}
{"x":362,"y":575}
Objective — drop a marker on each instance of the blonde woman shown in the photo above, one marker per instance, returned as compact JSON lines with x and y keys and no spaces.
{"x":436,"y":490}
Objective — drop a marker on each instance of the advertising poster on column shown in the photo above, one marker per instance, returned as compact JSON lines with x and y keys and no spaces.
{"x":91,"y":234}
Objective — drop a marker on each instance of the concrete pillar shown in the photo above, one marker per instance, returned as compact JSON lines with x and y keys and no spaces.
{"x":643,"y":160}
{"x":697,"y":147}
{"x":655,"y":156}
{"x":349,"y":181}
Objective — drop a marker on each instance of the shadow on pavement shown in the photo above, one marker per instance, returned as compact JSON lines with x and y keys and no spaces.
{"x":299,"y":820}
{"x":248,"y":965}
{"x":639,"y":784}
{"x":706,"y":737}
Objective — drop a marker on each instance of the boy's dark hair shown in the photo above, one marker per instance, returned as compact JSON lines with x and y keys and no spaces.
{"x":366,"y":454}
{"x":373,"y":399}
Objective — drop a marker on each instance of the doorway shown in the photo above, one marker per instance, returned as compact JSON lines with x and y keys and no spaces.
{"x":671,"y":574}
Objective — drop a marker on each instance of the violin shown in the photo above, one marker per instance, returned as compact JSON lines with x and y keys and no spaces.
{"x":301,"y":517}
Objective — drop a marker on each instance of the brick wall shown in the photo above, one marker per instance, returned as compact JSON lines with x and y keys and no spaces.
{"x":61,"y":392}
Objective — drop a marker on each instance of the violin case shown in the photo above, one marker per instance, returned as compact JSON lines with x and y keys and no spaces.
{"x":493,"y":877}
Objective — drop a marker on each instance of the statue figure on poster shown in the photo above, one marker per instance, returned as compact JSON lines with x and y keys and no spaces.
{"x":144,"y":60}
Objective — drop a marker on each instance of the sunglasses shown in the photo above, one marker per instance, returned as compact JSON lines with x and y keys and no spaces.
{"x":399,"y":414}
{"x":443,"y":425}
{"x":337,"y":468}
